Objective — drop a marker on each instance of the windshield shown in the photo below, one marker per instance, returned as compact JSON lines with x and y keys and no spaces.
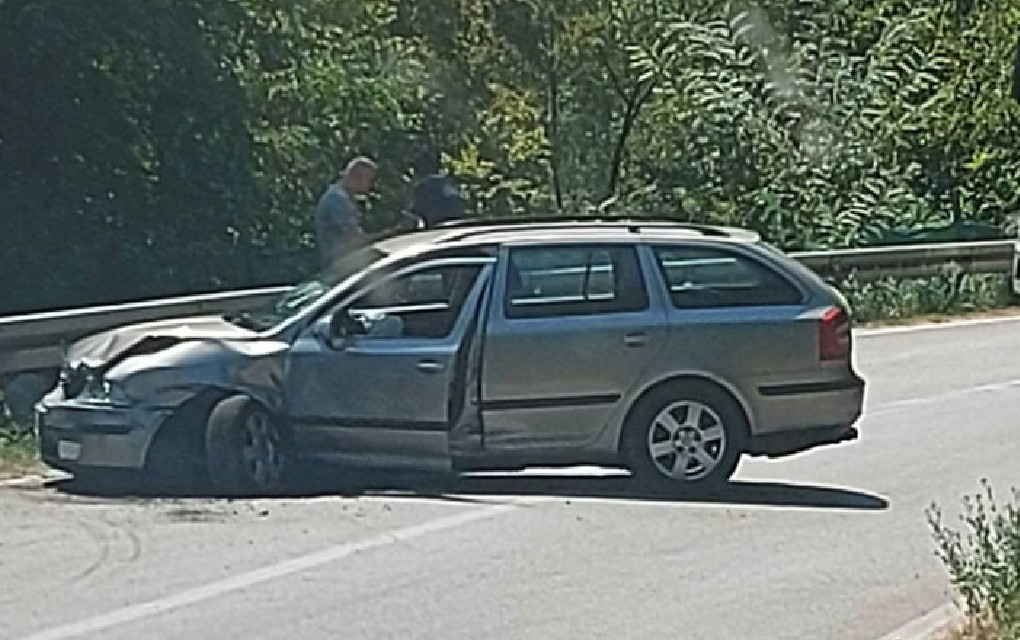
{"x":305,"y":293}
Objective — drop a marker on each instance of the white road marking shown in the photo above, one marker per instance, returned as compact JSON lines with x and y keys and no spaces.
{"x":134,"y":612}
{"x":951,"y":324}
{"x":928,"y":626}
{"x":907,"y":403}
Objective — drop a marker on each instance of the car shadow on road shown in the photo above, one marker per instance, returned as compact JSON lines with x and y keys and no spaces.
{"x":486,"y":488}
{"x":625,"y":489}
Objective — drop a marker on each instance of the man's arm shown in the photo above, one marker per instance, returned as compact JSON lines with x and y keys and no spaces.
{"x":408,"y":222}
{"x":339,"y":219}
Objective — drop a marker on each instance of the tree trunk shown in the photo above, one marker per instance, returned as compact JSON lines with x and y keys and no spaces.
{"x":634,"y":103}
{"x":554,"y":115}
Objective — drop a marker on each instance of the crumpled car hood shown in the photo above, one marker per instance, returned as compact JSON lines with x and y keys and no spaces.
{"x":103,"y":349}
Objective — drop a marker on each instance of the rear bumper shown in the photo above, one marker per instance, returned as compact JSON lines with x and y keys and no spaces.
{"x":785,"y":443}
{"x":75,"y":435}
{"x":804,"y":416}
{"x":834,"y":404}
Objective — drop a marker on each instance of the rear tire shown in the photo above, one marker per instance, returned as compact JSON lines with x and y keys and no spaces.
{"x":684,"y":437}
{"x":245,"y":449}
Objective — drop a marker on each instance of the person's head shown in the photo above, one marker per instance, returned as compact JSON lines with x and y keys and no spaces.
{"x":428,"y":162}
{"x":437,"y":199}
{"x":359,"y":177}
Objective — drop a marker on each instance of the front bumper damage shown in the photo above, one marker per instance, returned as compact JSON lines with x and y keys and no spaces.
{"x":75,"y":434}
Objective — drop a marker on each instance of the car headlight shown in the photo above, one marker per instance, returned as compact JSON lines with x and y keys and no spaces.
{"x":99,"y":389}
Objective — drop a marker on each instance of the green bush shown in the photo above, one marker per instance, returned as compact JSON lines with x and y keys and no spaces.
{"x":891,"y":299}
{"x":19,"y":450}
{"x":983,"y":560}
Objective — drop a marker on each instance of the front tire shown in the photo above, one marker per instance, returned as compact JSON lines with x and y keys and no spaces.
{"x":245,"y":449}
{"x":685,"y":436}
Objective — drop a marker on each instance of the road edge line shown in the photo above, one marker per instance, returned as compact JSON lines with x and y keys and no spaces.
{"x":933,"y":326}
{"x":930,"y":626}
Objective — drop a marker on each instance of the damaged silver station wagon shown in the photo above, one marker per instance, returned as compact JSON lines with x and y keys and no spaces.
{"x":670,"y":349}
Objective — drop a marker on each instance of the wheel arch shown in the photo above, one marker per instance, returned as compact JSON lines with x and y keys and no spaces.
{"x":184,"y":431}
{"x":688,"y":378}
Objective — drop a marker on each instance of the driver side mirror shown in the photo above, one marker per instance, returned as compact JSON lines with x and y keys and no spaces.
{"x":335,"y":329}
{"x":344,"y":325}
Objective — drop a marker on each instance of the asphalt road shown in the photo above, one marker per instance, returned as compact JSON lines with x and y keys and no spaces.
{"x":829,"y":544}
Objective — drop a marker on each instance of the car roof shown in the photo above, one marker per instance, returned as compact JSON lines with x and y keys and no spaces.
{"x":488,"y":232}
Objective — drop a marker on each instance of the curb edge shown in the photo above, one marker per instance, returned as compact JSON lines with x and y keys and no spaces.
{"x":929,"y":626}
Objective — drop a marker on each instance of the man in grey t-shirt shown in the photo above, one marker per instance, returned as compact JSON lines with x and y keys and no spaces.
{"x":337,"y":228}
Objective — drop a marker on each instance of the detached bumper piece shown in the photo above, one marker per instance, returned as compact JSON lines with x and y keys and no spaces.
{"x":785,"y":443}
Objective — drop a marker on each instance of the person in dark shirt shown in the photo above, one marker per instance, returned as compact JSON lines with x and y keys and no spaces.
{"x":436,"y":197}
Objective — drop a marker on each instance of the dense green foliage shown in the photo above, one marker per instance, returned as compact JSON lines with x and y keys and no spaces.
{"x":149,"y":148}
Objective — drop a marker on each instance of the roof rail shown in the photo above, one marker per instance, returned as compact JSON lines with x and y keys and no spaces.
{"x":636,"y":222}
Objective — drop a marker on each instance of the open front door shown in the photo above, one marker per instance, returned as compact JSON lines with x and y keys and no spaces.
{"x":387,"y":395}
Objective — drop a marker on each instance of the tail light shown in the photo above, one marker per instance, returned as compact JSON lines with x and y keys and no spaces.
{"x":834,"y":335}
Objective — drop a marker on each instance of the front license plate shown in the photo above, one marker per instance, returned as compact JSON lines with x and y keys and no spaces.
{"x":68,"y":450}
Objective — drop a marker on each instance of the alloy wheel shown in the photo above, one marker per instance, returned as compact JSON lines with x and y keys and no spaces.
{"x":686,"y":440}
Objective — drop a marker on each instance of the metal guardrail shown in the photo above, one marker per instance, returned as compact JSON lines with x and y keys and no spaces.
{"x":33,"y":341}
{"x":912,"y":261}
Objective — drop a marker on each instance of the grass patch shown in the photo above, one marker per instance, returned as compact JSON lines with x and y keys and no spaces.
{"x":19,"y":452}
{"x":942,"y":318}
{"x":983,"y":560}
{"x":949,"y":295}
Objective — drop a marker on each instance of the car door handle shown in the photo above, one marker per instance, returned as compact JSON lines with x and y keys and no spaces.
{"x":638,"y":339}
{"x":430,"y":366}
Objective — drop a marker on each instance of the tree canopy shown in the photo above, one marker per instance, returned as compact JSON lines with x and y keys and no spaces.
{"x":169,"y":146}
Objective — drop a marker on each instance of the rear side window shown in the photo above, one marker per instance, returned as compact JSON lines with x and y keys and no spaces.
{"x":706,"y":278}
{"x":547,"y":282}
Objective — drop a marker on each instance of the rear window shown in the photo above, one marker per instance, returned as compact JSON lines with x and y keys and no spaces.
{"x":708,"y":277}
{"x":575,"y":280}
